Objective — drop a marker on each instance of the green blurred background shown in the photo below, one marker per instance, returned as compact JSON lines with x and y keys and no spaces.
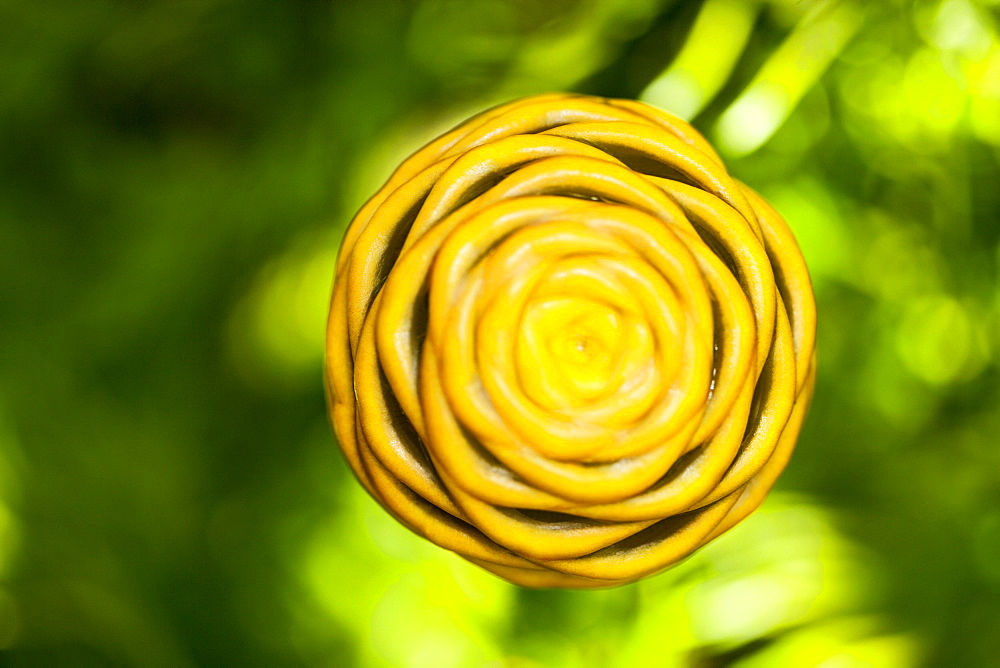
{"x":174,"y":179}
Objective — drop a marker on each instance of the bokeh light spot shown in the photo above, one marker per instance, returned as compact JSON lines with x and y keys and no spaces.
{"x":935,"y":339}
{"x":276,"y":330}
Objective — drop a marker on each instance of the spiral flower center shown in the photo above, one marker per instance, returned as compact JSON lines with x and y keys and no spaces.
{"x":574,"y":344}
{"x":574,"y":352}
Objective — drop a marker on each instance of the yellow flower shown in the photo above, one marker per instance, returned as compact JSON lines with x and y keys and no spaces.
{"x":567,"y":345}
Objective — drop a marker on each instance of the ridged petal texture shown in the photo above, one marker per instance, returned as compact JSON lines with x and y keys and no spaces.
{"x":566,"y":344}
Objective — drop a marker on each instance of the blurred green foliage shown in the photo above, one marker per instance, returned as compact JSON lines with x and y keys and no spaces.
{"x":174,"y":179}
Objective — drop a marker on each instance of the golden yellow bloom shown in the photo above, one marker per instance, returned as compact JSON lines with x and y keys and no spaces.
{"x":567,"y":345}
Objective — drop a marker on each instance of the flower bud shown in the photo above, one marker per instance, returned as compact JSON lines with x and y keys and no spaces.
{"x":567,"y":345}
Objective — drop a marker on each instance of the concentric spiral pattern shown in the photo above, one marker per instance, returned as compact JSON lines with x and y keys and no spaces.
{"x":567,"y":345}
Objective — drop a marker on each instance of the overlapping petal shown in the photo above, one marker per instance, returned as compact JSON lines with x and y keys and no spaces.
{"x":566,"y":344}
